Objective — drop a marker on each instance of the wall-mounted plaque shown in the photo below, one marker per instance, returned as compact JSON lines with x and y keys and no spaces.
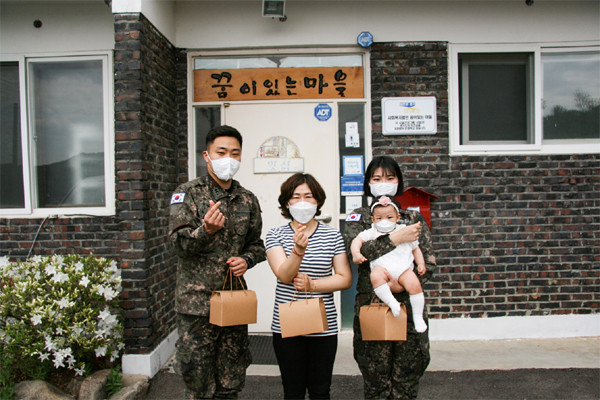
{"x":278,"y":155}
{"x":408,"y":115}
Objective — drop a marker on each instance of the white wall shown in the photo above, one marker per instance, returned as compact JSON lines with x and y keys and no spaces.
{"x":226,"y":24}
{"x":65,"y":27}
{"x":209,"y":24}
{"x":530,"y":327}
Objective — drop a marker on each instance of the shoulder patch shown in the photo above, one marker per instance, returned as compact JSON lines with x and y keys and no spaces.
{"x":353,"y":217}
{"x":177,"y":198}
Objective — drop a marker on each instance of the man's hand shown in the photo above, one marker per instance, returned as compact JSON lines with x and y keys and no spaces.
{"x":238,"y":266}
{"x":214,"y":218}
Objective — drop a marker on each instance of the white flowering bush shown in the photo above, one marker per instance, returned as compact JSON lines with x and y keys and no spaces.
{"x":60,"y":311}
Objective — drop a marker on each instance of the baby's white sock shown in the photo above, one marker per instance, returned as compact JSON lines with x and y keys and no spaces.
{"x":417,"y":303}
{"x":385,"y":294}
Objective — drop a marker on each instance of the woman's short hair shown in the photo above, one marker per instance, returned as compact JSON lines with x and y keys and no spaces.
{"x":389,"y":166}
{"x":288,"y":187}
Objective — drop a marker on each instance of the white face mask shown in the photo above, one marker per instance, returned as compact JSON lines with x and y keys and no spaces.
{"x":303,"y":211}
{"x":385,"y":226}
{"x":383,"y":189}
{"x":224,"y":168}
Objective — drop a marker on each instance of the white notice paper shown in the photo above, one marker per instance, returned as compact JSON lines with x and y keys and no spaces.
{"x":352,"y":203}
{"x":352,"y":137}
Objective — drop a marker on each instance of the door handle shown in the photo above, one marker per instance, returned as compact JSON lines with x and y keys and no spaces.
{"x":325,"y":218}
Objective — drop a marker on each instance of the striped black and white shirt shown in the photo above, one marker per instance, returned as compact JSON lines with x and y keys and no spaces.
{"x":323,"y":244}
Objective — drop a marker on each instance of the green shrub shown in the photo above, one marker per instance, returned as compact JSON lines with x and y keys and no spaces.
{"x":58,"y":312}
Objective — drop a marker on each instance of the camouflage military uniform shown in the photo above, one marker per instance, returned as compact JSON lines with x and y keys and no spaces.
{"x":211,"y":359}
{"x":391,"y":370}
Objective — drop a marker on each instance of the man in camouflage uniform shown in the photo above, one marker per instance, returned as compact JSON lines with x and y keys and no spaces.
{"x":215,"y":226}
{"x":390,"y":369}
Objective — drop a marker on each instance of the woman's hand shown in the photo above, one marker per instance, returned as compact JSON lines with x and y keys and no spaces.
{"x":300,"y":239}
{"x":302,"y":282}
{"x":286,"y":266}
{"x":409,"y":233}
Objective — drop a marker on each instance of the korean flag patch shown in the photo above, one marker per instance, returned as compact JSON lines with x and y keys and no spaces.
{"x":177,"y":198}
{"x":353,"y":217}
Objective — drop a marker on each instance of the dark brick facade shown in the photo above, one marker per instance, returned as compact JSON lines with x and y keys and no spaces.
{"x":59,"y":235}
{"x":514,"y":235}
{"x":150,"y":160}
{"x":146,"y":153}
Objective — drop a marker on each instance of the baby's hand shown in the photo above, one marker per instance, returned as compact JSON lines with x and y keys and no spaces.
{"x":421,"y":269}
{"x":358,"y":259}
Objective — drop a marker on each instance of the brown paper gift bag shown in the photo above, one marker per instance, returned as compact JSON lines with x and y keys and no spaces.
{"x":233,"y":307}
{"x":378,"y":323}
{"x":302,"y":317}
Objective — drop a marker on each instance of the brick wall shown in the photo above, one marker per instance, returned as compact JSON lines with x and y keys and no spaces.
{"x":59,"y":235}
{"x":146,"y":152}
{"x":514,"y":235}
{"x":150,"y":159}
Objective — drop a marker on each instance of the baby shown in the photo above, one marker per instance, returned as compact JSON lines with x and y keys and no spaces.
{"x":397,"y":264}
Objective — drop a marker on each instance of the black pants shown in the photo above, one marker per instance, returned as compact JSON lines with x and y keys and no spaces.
{"x":305,"y":362}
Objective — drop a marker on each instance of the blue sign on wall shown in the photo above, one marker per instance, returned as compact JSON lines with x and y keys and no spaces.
{"x":352,"y":185}
{"x":323,"y":112}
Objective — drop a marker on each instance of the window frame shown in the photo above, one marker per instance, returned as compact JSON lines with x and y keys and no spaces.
{"x":511,"y":59}
{"x":538,"y":145}
{"x":30,"y":209}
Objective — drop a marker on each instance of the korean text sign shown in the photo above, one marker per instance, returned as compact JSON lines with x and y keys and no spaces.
{"x":278,"y":83}
{"x":408,"y":115}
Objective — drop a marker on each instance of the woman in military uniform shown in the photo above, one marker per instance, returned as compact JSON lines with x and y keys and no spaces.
{"x":390,"y":369}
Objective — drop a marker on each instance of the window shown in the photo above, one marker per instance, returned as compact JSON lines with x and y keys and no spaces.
{"x":59,"y":161}
{"x":571,"y":98}
{"x":532,"y":99}
{"x":12,"y":194}
{"x":206,"y":118}
{"x":494,"y":93}
{"x":282,"y":61}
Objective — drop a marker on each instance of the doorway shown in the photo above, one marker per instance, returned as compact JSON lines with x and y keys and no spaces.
{"x":264,"y":126}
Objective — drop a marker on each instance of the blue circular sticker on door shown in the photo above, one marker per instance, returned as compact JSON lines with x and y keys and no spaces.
{"x":323,"y":112}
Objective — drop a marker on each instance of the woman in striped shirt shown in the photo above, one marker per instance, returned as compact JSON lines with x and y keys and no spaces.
{"x":306,"y":255}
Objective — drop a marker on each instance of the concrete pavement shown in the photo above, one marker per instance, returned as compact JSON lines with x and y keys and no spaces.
{"x":481,"y":355}
{"x":566,"y":368}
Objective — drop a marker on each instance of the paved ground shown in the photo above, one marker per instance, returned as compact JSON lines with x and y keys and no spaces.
{"x":573,"y":383}
{"x":547,"y":369}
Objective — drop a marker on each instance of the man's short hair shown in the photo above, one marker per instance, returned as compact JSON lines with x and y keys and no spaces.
{"x":223,"y":130}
